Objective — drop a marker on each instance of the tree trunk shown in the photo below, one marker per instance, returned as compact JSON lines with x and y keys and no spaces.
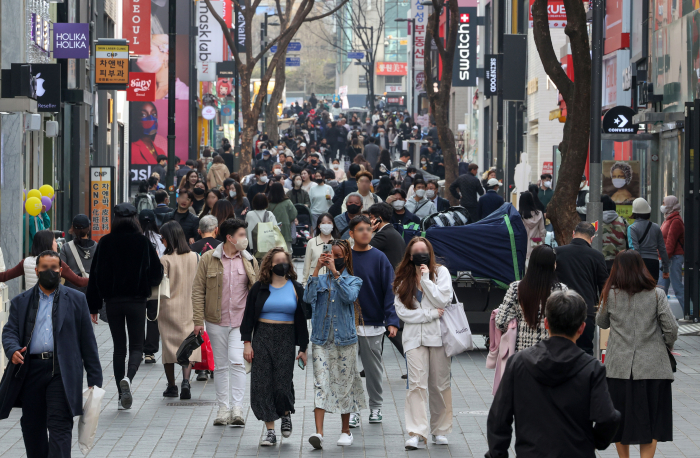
{"x":250,"y":122}
{"x":271,"y":118}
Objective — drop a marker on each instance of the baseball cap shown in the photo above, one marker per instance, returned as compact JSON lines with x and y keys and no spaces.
{"x":147,"y":216}
{"x":415,"y":127}
{"x":124,"y":209}
{"x":266,"y":152}
{"x":81,"y":221}
{"x":492,"y":182}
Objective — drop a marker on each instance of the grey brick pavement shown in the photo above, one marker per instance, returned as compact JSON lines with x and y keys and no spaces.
{"x":159,"y":428}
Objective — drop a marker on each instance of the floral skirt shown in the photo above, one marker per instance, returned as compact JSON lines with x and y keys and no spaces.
{"x":337,"y":383}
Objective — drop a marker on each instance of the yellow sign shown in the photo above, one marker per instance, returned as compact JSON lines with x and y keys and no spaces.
{"x":403,"y":42}
{"x":111,"y":64}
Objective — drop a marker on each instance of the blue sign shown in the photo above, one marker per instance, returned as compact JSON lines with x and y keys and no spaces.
{"x":356,"y":55}
{"x":294,"y":46}
{"x":293,"y":62}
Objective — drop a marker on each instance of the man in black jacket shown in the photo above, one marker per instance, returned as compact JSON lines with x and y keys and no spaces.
{"x":466,"y":188}
{"x":555,"y":391}
{"x":163,"y":211}
{"x":583,"y":269}
{"x":345,"y":188}
{"x":183,"y":215}
{"x":386,"y":239}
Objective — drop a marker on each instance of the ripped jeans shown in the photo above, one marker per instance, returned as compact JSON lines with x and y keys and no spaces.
{"x":229,"y":371}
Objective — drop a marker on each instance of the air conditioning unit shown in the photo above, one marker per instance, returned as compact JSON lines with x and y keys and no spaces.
{"x":32,"y":122}
{"x":52,"y":128}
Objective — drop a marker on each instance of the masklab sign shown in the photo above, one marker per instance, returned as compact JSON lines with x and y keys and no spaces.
{"x":71,"y":41}
{"x":464,"y":67}
{"x":142,"y":87}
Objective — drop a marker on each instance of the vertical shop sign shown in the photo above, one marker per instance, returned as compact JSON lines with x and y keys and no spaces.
{"x":420,"y":13}
{"x":136,"y":25}
{"x":101,"y":200}
{"x":464,"y":68}
{"x":493,"y":74}
{"x":210,"y":37}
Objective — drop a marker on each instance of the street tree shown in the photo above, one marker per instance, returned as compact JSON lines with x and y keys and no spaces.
{"x":577,"y":96}
{"x":299,"y":11}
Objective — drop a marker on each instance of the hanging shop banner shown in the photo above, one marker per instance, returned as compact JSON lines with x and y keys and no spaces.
{"x":40,"y":31}
{"x":622,"y":181}
{"x":618,"y":120}
{"x":136,"y":25}
{"x":111,"y":64}
{"x":391,"y":68}
{"x":210,"y":37}
{"x":71,"y":41}
{"x":48,"y":87}
{"x":228,"y":14}
{"x":226,"y":69}
{"x":206,"y":71}
{"x":101,"y":200}
{"x":492,"y":73}
{"x":419,"y":13}
{"x":556,"y":14}
{"x":142,"y":87}
{"x":239,"y":26}
{"x":464,"y":68}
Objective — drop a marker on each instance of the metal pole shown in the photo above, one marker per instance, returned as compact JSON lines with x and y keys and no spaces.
{"x":237,"y":107}
{"x":172,"y":8}
{"x":413,"y":67}
{"x":194,"y":140}
{"x":595,"y":207}
{"x":263,"y":64}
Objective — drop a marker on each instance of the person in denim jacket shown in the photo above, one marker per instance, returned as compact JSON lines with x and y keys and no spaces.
{"x":332,"y":296}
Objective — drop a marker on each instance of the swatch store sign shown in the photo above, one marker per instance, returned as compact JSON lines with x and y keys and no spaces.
{"x":464,"y":68}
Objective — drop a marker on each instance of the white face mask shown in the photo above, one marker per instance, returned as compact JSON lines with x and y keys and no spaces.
{"x":278,"y":172}
{"x":429,"y":193}
{"x":423,"y":162}
{"x":398,"y":204}
{"x":335,"y":166}
{"x":420,"y":192}
{"x":619,"y":182}
{"x":326,"y":229}
{"x":297,"y":183}
{"x":663,"y":209}
{"x":264,"y":179}
{"x":232,"y":193}
{"x":241,"y":244}
{"x":547,"y":184}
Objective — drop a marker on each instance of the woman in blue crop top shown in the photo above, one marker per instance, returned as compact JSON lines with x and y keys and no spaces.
{"x":274,"y":312}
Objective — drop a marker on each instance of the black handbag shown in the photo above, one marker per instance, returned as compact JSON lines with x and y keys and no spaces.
{"x":189,"y":345}
{"x":672,"y":359}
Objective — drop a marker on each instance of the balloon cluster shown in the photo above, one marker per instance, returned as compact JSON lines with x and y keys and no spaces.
{"x":38,"y":198}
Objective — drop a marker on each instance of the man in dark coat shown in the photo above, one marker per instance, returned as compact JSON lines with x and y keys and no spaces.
{"x":583,"y":269}
{"x":555,"y":391}
{"x":432,"y":193}
{"x":48,"y":339}
{"x":344,"y":189}
{"x":466,"y":188}
{"x":183,"y":215}
{"x":386,"y":238}
{"x":491,"y":201}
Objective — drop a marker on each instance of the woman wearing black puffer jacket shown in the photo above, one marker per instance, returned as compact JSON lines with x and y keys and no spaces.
{"x":123,"y":271}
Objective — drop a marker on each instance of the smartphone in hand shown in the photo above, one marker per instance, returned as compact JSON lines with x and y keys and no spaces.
{"x":327,"y":248}
{"x":301,"y":364}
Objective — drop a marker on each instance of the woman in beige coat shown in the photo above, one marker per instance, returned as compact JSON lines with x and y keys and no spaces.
{"x":175,"y":320}
{"x":217,"y":173}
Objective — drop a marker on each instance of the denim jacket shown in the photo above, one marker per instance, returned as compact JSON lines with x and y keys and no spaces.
{"x":343,"y":293}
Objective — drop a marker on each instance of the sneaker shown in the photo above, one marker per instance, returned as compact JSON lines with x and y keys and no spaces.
{"x":286,"y":426}
{"x":440,"y":440}
{"x":119,"y":403}
{"x":268,"y":438}
{"x":185,"y":392}
{"x":211,"y":374}
{"x":412,"y":443}
{"x":149,"y":359}
{"x":126,"y":398}
{"x":202,"y":376}
{"x":316,"y":441}
{"x":375,"y":416}
{"x":404,"y":376}
{"x":362,"y":373}
{"x":223,"y":417}
{"x":354,"y":420}
{"x":237,"y":416}
{"x":345,"y":440}
{"x":170,"y":391}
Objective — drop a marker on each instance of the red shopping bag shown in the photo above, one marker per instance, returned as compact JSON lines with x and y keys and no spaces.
{"x":207,"y":363}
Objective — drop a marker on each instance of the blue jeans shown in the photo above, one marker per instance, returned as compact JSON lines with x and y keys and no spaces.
{"x":676,"y":280}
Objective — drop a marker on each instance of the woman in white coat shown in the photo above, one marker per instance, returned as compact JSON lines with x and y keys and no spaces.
{"x":422,"y":290}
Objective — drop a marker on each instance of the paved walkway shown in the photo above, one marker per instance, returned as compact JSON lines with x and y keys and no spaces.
{"x":158,"y":427}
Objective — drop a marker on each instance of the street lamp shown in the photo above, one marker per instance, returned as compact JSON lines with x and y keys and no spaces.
{"x":413,"y":60}
{"x":263,"y":61}
{"x":371,"y":69}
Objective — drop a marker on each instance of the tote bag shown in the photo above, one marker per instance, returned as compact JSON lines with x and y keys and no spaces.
{"x":87,"y":424}
{"x":456,"y":335}
{"x":269,"y":237}
{"x":207,"y":363}
{"x":156,"y":292}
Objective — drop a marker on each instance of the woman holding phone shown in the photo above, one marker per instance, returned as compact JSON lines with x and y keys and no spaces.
{"x":337,"y":384}
{"x":274,"y":311}
{"x":325,"y":233}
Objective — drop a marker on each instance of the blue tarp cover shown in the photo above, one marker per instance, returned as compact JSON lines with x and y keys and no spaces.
{"x":483,"y":247}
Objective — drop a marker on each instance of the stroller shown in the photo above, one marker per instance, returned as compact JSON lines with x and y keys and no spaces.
{"x":302,"y":231}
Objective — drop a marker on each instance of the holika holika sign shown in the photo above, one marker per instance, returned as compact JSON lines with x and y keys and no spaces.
{"x":71,"y":41}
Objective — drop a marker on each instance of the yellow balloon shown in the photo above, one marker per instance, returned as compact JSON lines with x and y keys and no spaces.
{"x":46,"y":190}
{"x":34,"y":193}
{"x":33,"y":205}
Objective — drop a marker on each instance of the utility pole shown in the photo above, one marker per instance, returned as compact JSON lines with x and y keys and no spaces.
{"x":263,"y":66}
{"x":595,"y":170}
{"x":170,"y":182}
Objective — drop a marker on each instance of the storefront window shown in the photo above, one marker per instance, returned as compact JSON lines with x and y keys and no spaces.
{"x":625,"y":172}
{"x":670,"y":176}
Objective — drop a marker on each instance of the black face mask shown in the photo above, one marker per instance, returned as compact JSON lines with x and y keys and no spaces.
{"x":421,"y":258}
{"x":339,"y":264}
{"x":280,"y":269}
{"x":319,"y":181}
{"x":49,"y":279}
{"x":198,"y":191}
{"x":290,"y":163}
{"x":354,"y":209}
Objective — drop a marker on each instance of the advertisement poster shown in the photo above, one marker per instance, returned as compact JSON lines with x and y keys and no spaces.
{"x":136,"y":26}
{"x":101,"y":201}
{"x":142,"y":87}
{"x":621,"y":181}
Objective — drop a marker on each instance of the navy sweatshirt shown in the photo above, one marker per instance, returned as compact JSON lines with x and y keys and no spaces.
{"x":376,"y":297}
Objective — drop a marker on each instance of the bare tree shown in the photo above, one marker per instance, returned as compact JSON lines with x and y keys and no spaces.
{"x":577,"y":95}
{"x":299,"y":11}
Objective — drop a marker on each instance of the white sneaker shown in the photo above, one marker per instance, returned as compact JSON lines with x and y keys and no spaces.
{"x":126,"y":399}
{"x":412,"y":443}
{"x":354,"y":420}
{"x":440,"y":440}
{"x":345,"y":440}
{"x":223,"y":417}
{"x":237,"y":416}
{"x":316,"y":441}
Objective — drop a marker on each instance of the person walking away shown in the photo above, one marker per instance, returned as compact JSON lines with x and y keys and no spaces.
{"x":377,"y":314}
{"x":525,"y":300}
{"x":582,"y":199}
{"x":673,"y":231}
{"x":325,"y":233}
{"x":78,"y":253}
{"x":466,"y":188}
{"x":614,"y":231}
{"x":219,"y":293}
{"x":555,"y":387}
{"x":175,"y":316}
{"x":582,"y":269}
{"x":151,"y":343}
{"x":533,"y":219}
{"x":162,"y":211}
{"x":208,"y":228}
{"x":386,"y":238}
{"x":273,"y":325}
{"x":143,"y":199}
{"x":321,"y":198}
{"x":49,"y":340}
{"x":218,"y":172}
{"x":259,"y":214}
{"x":372,"y":150}
{"x":283,"y":210}
{"x":419,"y":204}
{"x":337,"y":384}
{"x":490,"y":201}
{"x":646,"y":238}
{"x":639,"y":372}
{"x":422,"y":290}
{"x":123,"y":272}
{"x":354,"y":208}
{"x":545,"y":193}
{"x":184,"y":217}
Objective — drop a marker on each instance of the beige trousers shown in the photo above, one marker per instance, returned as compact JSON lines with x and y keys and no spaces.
{"x":428,"y":374}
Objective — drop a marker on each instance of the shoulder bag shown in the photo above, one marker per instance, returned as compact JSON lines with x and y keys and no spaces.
{"x":78,"y":261}
{"x":454,"y":327}
{"x":157,"y":291}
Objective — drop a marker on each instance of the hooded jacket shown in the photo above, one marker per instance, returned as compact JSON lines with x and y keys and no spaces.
{"x":673,"y":231}
{"x":535,"y":231}
{"x":560,"y":392}
{"x":614,"y":234}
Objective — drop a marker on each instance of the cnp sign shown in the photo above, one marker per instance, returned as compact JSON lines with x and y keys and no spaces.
{"x":464,"y":67}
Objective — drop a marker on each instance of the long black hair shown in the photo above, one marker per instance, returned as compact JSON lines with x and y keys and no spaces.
{"x":534,"y":289}
{"x":534,"y":190}
{"x":174,"y":237}
{"x":527,"y":206}
{"x":125,"y":224}
{"x":43,"y":241}
{"x":334,"y":232}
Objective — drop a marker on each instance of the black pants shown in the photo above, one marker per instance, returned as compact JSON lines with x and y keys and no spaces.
{"x":473,"y":213}
{"x":585,"y":342}
{"x":652,"y":267}
{"x":47,"y":421}
{"x":151,"y":344}
{"x":133,"y":315}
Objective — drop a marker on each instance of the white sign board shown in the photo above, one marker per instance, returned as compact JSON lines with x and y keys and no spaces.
{"x":206,"y":71}
{"x":210,"y":38}
{"x":398,"y":88}
{"x":209,"y":113}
